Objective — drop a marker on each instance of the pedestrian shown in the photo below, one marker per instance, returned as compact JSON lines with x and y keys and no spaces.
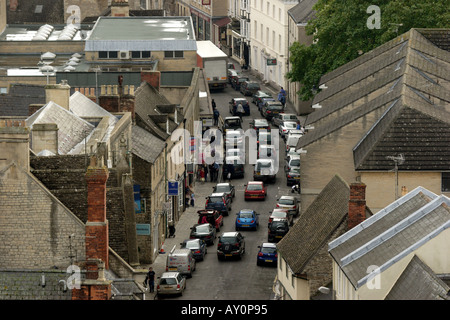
{"x":205,"y":168}
{"x":282,"y":96}
{"x":216,"y":114}
{"x":192,"y":199}
{"x":240,"y":110}
{"x":211,"y":172}
{"x":216,"y":171}
{"x":213,"y":103}
{"x":150,"y":279}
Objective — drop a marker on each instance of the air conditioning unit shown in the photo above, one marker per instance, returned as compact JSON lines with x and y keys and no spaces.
{"x":124,"y":54}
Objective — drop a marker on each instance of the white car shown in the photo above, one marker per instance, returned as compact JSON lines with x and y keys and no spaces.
{"x":285,"y":127}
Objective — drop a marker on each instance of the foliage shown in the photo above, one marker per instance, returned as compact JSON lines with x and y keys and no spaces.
{"x":341,"y":34}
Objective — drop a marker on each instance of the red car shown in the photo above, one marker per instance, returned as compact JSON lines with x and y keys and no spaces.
{"x":255,"y":190}
{"x":212,"y":217}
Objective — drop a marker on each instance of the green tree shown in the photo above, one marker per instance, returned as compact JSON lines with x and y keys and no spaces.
{"x":341,"y":33}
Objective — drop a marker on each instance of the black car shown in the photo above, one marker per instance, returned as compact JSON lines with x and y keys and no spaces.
{"x":234,"y":166}
{"x":278,"y":228}
{"x":293,"y":176}
{"x":233,"y":123}
{"x":197,"y":247}
{"x":205,"y":232}
{"x":230,"y":245}
{"x":219,"y":202}
{"x":249,"y":88}
{"x":271,"y":108}
{"x":237,"y":81}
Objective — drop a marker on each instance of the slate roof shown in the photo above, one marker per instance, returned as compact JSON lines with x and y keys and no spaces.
{"x":37,"y":11}
{"x":315,"y":226}
{"x":303,"y":11}
{"x":419,"y":282}
{"x":145,"y":145}
{"x":391,"y":234}
{"x":20,"y":96}
{"x":147,"y":102}
{"x":404,"y":80}
{"x":72,"y":129}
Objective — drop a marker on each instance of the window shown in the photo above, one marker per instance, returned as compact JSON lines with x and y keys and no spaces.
{"x":173,"y":54}
{"x":140,"y":54}
{"x":445,"y":181}
{"x":107,"y":54}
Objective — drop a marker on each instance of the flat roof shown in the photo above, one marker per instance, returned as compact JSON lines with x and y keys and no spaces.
{"x":142,"y":33}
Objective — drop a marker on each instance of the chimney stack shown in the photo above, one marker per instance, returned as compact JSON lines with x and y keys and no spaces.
{"x":120,"y":8}
{"x":153,"y":78}
{"x":14,"y":143}
{"x":44,"y":136}
{"x":356,"y":204}
{"x":13,"y":4}
{"x":58,"y":93}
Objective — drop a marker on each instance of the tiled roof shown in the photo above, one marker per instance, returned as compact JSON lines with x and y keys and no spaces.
{"x":145,"y":145}
{"x":419,"y":282}
{"x":37,"y":11}
{"x":314,"y":227}
{"x":303,"y":11}
{"x":391,"y":234}
{"x":72,"y":129}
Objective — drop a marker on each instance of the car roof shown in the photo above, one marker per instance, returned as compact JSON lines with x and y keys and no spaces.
{"x":255,"y":182}
{"x":289,"y":121}
{"x":269,"y":245}
{"x":246,"y":210}
{"x":264,"y":160}
{"x":223,"y":184}
{"x":201,"y":224}
{"x":232,"y":118}
{"x":172,"y":274}
{"x":294,"y":156}
{"x":288,"y":197}
{"x":273,"y":102}
{"x":237,"y":99}
{"x":288,"y":114}
{"x":217,"y":194}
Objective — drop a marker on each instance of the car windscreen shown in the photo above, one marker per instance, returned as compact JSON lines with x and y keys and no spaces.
{"x":278,"y":214}
{"x":295,"y":163}
{"x":202,"y":229}
{"x":261,"y":123}
{"x":253,"y":86}
{"x":233,"y":122}
{"x":192,"y":245}
{"x":290,"y":125}
{"x":168,"y":281}
{"x":288,"y":202}
{"x":261,"y":165}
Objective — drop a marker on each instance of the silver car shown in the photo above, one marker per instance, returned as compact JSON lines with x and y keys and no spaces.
{"x":281,"y":117}
{"x":290,"y":203}
{"x":285,"y":127}
{"x":171,"y":283}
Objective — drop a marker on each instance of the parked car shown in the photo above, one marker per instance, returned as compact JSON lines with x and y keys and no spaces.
{"x":292,"y":162}
{"x":213,"y":217}
{"x":255,"y":190}
{"x":258,"y":124}
{"x":248,"y":88}
{"x":292,"y":140}
{"x":285,"y":127}
{"x":233,"y":106}
{"x":171,"y":283}
{"x":234,"y":138}
{"x":247,"y":219}
{"x":233,"y":165}
{"x":281,"y":117}
{"x":230,"y":245}
{"x":231,"y":123}
{"x":204,"y":231}
{"x":267,"y":151}
{"x":256,"y":98}
{"x":290,"y":203}
{"x":230,"y":65}
{"x":226,"y":188}
{"x":271,"y":108}
{"x":180,"y":260}
{"x":280,"y":213}
{"x":236,"y":152}
{"x":264,"y":170}
{"x":263,"y":102}
{"x":267,"y":254}
{"x":237,"y":81}
{"x":197,"y":247}
{"x":278,"y":228}
{"x":219,"y":202}
{"x":264,"y":138}
{"x":293,"y":176}
{"x":231,"y":73}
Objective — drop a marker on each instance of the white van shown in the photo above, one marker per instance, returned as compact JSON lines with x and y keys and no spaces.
{"x":180,"y":260}
{"x":292,"y":141}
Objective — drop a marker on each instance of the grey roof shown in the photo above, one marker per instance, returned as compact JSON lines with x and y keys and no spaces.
{"x":20,"y":96}
{"x":37,"y":11}
{"x":145,"y":145}
{"x":72,"y":129}
{"x":303,"y":11}
{"x":406,"y":72}
{"x":142,"y":33}
{"x":391,"y":234}
{"x":315,"y":226}
{"x":418,"y":282}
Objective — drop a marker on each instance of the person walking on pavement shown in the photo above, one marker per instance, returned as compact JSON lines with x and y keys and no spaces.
{"x":282,"y":96}
{"x":216,"y":171}
{"x":216,"y":117}
{"x":213,"y":103}
{"x":192,"y":199}
{"x":150,"y":279}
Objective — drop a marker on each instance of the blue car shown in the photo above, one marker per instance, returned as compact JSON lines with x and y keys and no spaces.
{"x":267,"y":254}
{"x":247,"y":219}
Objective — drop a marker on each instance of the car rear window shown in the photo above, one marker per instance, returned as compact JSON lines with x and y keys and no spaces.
{"x":168,"y":281}
{"x":222,"y":189}
{"x":228,"y":240}
{"x":192,"y":244}
{"x":286,"y":201}
{"x":253,"y":86}
{"x":261,"y":165}
{"x":295,"y":163}
{"x":268,"y":250}
{"x":246,"y":215}
{"x":202,"y":229}
{"x":215,"y":199}
{"x":252,"y":187}
{"x":275,"y":107}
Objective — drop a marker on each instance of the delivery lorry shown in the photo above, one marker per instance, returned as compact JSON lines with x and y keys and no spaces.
{"x":214,"y":63}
